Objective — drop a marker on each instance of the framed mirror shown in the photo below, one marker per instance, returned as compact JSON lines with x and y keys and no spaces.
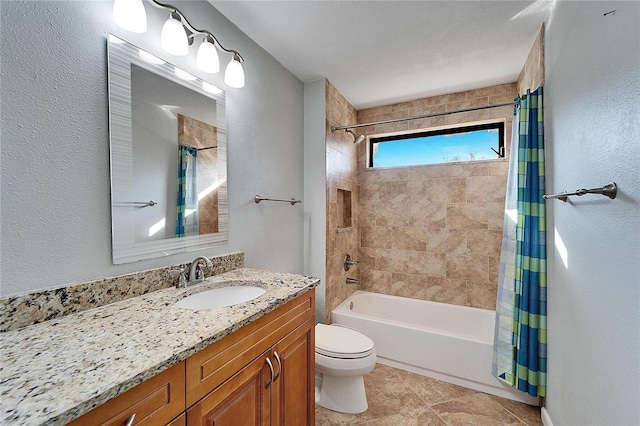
{"x":168,"y":145}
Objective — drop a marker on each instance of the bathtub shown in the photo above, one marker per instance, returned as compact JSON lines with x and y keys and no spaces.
{"x":446,"y":342}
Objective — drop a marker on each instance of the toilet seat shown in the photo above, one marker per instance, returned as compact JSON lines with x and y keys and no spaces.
{"x":342,"y":343}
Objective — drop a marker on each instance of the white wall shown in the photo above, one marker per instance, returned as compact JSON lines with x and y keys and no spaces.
{"x":315,"y":178}
{"x":55,"y":191}
{"x":593,"y":137}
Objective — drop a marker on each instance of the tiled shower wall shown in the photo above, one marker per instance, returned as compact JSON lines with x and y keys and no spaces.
{"x":434,"y":232}
{"x":532,"y":74}
{"x":192,"y":132}
{"x":341,"y":187}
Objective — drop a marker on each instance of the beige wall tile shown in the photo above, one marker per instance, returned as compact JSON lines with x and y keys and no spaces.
{"x":468,"y":267}
{"x":429,"y":232}
{"x":412,"y":262}
{"x":406,"y":285}
{"x":408,"y":238}
{"x":494,"y":270}
{"x":484,"y":242}
{"x":482,"y":295}
{"x":375,"y":236}
{"x":447,"y":290}
{"x":486,"y":189}
{"x":532,"y":74}
{"x":423,"y":215}
{"x":341,"y":173}
{"x":495,"y":215}
{"x":445,"y":240}
{"x":467,"y":216}
{"x":376,"y":281}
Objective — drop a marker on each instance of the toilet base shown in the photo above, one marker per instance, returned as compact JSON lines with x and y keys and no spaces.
{"x":342,"y":394}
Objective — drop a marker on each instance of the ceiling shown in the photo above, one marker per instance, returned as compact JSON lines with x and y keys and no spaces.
{"x":382,"y":52}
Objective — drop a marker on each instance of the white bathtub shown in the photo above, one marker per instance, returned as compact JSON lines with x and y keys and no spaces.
{"x":446,"y":342}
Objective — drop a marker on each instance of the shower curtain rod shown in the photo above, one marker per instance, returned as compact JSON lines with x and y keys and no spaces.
{"x":438,"y":114}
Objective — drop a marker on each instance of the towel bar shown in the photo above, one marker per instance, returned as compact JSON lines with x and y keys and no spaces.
{"x":293,"y":201}
{"x":609,"y":190}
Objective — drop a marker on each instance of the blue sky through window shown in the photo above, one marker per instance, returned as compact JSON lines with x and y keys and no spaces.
{"x":468,"y":146}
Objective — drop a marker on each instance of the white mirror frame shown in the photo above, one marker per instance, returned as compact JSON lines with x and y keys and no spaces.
{"x":125,"y":249}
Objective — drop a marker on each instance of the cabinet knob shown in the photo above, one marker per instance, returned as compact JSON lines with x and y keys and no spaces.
{"x":271,"y":370}
{"x":275,"y":354}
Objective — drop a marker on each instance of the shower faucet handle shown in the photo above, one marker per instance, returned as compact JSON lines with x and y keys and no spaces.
{"x":348,"y":262}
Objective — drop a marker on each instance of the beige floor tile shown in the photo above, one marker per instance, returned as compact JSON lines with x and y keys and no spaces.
{"x":433,"y":391}
{"x":476,"y":410}
{"x":420,"y":417}
{"x":326,"y":417}
{"x":400,"y":398}
{"x":387,"y":394}
{"x":526,"y":413}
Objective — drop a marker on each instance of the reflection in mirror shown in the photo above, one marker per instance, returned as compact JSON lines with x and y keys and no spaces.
{"x":168,"y":157}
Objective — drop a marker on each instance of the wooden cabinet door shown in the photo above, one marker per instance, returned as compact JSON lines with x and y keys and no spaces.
{"x":293,"y":390}
{"x":181,"y":420}
{"x":243,"y":400}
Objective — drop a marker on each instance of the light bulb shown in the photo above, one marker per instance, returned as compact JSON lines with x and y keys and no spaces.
{"x":130,"y":15}
{"x":207,"y":58}
{"x":174,"y":37}
{"x":234,"y":74}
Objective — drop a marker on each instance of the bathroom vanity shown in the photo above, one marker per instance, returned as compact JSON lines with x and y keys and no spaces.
{"x":249,"y":364}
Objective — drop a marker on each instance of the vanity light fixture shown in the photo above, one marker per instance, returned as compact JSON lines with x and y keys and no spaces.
{"x":207,"y":58}
{"x":177,"y":35}
{"x":130,"y":15}
{"x":173,"y":38}
{"x":234,"y":74}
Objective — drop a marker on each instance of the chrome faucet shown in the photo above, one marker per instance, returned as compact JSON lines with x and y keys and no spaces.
{"x":348,"y":262}
{"x":196,"y":274}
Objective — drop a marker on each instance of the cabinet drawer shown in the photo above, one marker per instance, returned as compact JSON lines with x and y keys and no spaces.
{"x":210,"y":367}
{"x":156,"y":401}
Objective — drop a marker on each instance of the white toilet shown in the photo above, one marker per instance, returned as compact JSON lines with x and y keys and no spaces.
{"x":343,"y":357}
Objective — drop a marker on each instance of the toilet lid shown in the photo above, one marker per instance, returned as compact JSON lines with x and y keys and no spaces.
{"x":341,"y":342}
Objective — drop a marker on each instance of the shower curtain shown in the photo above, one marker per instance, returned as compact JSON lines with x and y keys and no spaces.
{"x":520,"y":342}
{"x":187,"y":201}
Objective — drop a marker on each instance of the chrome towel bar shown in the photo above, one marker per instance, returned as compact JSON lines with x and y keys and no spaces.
{"x":293,"y":201}
{"x":609,"y":190}
{"x":149,"y":203}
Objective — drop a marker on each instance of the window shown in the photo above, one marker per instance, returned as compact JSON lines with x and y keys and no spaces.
{"x":467,"y":143}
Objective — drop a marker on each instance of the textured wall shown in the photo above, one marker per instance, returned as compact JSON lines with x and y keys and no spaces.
{"x":341,"y":180}
{"x":56,"y":225}
{"x":434,"y":232}
{"x":315,"y":199}
{"x":592,"y":84}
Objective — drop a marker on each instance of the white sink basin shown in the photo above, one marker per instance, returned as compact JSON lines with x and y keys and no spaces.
{"x":219,"y":297}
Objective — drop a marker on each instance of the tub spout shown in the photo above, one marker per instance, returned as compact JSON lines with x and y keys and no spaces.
{"x":352,"y":281}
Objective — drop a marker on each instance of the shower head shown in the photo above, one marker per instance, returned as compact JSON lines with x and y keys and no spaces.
{"x":356,"y":138}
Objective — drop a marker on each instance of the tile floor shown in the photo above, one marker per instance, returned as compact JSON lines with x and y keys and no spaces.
{"x":399,"y":398}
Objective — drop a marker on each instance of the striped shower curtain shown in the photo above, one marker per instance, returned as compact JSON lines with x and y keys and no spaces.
{"x":187,"y":200}
{"x":520,"y":342}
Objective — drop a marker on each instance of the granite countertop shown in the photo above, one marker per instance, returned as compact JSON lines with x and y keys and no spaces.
{"x":58,"y":370}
